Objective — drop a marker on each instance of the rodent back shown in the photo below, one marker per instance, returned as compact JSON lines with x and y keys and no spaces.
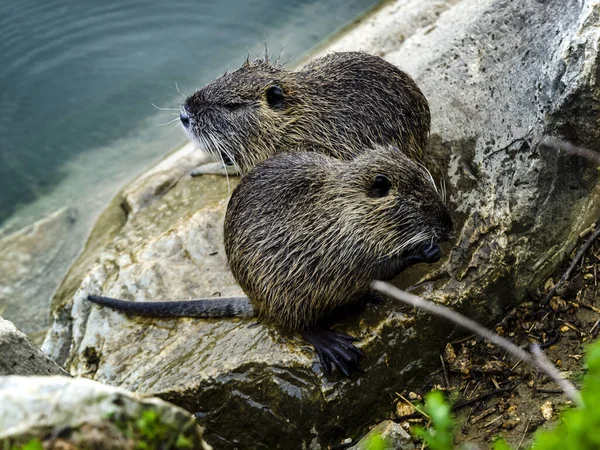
{"x":368,"y":91}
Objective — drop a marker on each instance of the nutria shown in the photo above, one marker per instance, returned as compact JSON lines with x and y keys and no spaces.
{"x":336,"y":105}
{"x":306,"y":233}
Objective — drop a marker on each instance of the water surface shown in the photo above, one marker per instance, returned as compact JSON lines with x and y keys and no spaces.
{"x":81,"y":76}
{"x":76,"y":118}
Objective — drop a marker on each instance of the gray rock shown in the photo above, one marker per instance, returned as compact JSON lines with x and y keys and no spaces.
{"x":79,"y":413}
{"x":18,"y":356}
{"x":497,"y":74}
{"x":387,"y":435}
{"x":28,"y":261}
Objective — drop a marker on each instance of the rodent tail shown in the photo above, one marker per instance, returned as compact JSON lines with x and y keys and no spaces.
{"x":204,"y":307}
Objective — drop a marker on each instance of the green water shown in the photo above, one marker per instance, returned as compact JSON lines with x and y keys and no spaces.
{"x":79,"y":79}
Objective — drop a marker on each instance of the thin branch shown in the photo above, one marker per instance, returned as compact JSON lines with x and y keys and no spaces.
{"x":547,"y":367}
{"x":420,"y":411}
{"x":485,"y":396}
{"x":446,"y":379}
{"x":446,"y":313}
{"x":584,"y":248}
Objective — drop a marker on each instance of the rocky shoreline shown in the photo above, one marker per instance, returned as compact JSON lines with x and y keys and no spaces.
{"x":497,"y":75}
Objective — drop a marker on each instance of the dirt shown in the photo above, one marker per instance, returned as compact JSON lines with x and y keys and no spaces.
{"x":493,"y":394}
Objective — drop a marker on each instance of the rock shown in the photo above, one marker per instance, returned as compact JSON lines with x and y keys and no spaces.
{"x":72,"y":413}
{"x":28,"y":258}
{"x":547,"y":410}
{"x":18,"y":356}
{"x":497,"y":75}
{"x":387,"y":435}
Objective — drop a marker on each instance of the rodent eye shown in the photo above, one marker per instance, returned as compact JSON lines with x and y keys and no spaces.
{"x":381,"y":186}
{"x":233,"y":106}
{"x":275,"y":97}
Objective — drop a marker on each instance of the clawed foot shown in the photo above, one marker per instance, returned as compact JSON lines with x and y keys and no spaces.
{"x":335,"y":350}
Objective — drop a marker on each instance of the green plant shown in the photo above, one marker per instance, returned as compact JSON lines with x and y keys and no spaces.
{"x":440,"y":435}
{"x":149,"y":432}
{"x":33,"y":444}
{"x":578,"y":428}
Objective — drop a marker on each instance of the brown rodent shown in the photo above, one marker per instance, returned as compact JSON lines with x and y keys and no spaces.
{"x":306,"y":233}
{"x":338,"y":105}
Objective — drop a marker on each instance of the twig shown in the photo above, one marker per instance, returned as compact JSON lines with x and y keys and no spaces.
{"x":342,"y":446}
{"x":537,"y":361}
{"x":461,"y":340}
{"x":571,"y":326}
{"x":492,"y":421}
{"x":594,"y":327}
{"x":547,"y":367}
{"x":525,"y":432}
{"x":488,"y":412}
{"x":420,"y":411}
{"x":446,"y":380}
{"x":585,"y":305}
{"x":485,"y":396}
{"x":406,"y":417}
{"x":578,"y":257}
{"x":549,"y":391}
{"x":516,"y":365}
{"x":534,"y":388}
{"x":551,"y":340}
{"x":475,"y":388}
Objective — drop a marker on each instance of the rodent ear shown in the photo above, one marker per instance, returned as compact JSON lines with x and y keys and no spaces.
{"x":275,"y":97}
{"x":380,"y":187}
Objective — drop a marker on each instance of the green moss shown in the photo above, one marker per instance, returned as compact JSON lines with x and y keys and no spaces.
{"x":34,"y":444}
{"x":148,"y":432}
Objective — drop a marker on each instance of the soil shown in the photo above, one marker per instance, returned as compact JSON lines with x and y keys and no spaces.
{"x":494,"y":395}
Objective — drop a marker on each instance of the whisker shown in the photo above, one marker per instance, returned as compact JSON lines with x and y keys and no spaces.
{"x":164,"y":109}
{"x":169,"y":122}
{"x":177,"y":87}
{"x":429,"y":175}
{"x":444,"y":190}
{"x":175,"y":125}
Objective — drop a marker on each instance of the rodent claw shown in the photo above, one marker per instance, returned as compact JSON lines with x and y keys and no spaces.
{"x":335,"y":349}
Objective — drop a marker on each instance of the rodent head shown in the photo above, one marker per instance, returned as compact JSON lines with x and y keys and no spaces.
{"x":396,"y":204}
{"x":231,"y":116}
{"x":340,"y":105}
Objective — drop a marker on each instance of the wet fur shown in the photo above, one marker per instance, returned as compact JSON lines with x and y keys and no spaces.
{"x":304,"y":237}
{"x":337,"y":105}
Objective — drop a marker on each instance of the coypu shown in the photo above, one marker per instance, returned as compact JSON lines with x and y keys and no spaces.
{"x":336,"y":105}
{"x":306,"y":233}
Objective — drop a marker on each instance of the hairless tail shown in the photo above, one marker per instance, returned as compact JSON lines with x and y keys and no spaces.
{"x":204,"y":307}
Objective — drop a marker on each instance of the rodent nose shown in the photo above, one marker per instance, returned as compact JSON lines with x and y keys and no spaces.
{"x":184,"y":116}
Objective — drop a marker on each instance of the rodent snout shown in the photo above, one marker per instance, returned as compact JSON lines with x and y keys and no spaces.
{"x":184,"y":116}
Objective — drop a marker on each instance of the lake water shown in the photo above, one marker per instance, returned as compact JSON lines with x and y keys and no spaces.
{"x":77,"y":121}
{"x":79,"y":79}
